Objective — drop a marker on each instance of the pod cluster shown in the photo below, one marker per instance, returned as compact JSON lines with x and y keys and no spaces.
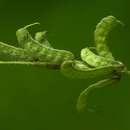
{"x":37,"y":49}
{"x":96,"y":62}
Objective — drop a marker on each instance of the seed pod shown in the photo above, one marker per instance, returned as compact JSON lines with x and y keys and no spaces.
{"x":23,"y":35}
{"x":39,"y":51}
{"x":41,"y":38}
{"x":72,"y":70}
{"x":54,"y":55}
{"x":94,"y":60}
{"x":8,"y":52}
{"x":80,"y":65}
{"x":82,"y":102}
{"x":100,"y":35}
{"x":18,"y":56}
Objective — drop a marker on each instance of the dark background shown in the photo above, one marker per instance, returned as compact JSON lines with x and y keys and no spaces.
{"x":40,"y":99}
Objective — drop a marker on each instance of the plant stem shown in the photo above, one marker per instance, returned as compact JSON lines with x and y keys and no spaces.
{"x":38,"y":64}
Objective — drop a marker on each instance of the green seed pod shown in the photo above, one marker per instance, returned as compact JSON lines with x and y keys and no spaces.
{"x":41,"y":38}
{"x":13,"y":55}
{"x":80,"y":65}
{"x":54,"y":55}
{"x":100,"y":35}
{"x":23,"y":35}
{"x":82,"y":102}
{"x":41,"y":52}
{"x":72,"y":70}
{"x":8,"y":52}
{"x":94,"y":60}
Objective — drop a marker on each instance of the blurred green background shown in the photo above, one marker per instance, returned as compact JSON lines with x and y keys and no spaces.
{"x":40,"y":99}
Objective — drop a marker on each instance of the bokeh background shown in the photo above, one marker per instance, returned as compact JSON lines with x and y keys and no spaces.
{"x":40,"y":99}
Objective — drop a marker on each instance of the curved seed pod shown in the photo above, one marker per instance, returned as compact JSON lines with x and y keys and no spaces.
{"x":13,"y":55}
{"x":54,"y":55}
{"x":41,"y":52}
{"x":8,"y":52}
{"x":102,"y":30}
{"x":72,"y":70}
{"x":41,"y":38}
{"x":80,"y":65}
{"x":82,"y":102}
{"x":94,"y":60}
{"x":23,"y":35}
{"x":25,"y":40}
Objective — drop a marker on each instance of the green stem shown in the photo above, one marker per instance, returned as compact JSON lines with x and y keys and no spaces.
{"x":30,"y":25}
{"x":38,"y":64}
{"x":22,"y":63}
